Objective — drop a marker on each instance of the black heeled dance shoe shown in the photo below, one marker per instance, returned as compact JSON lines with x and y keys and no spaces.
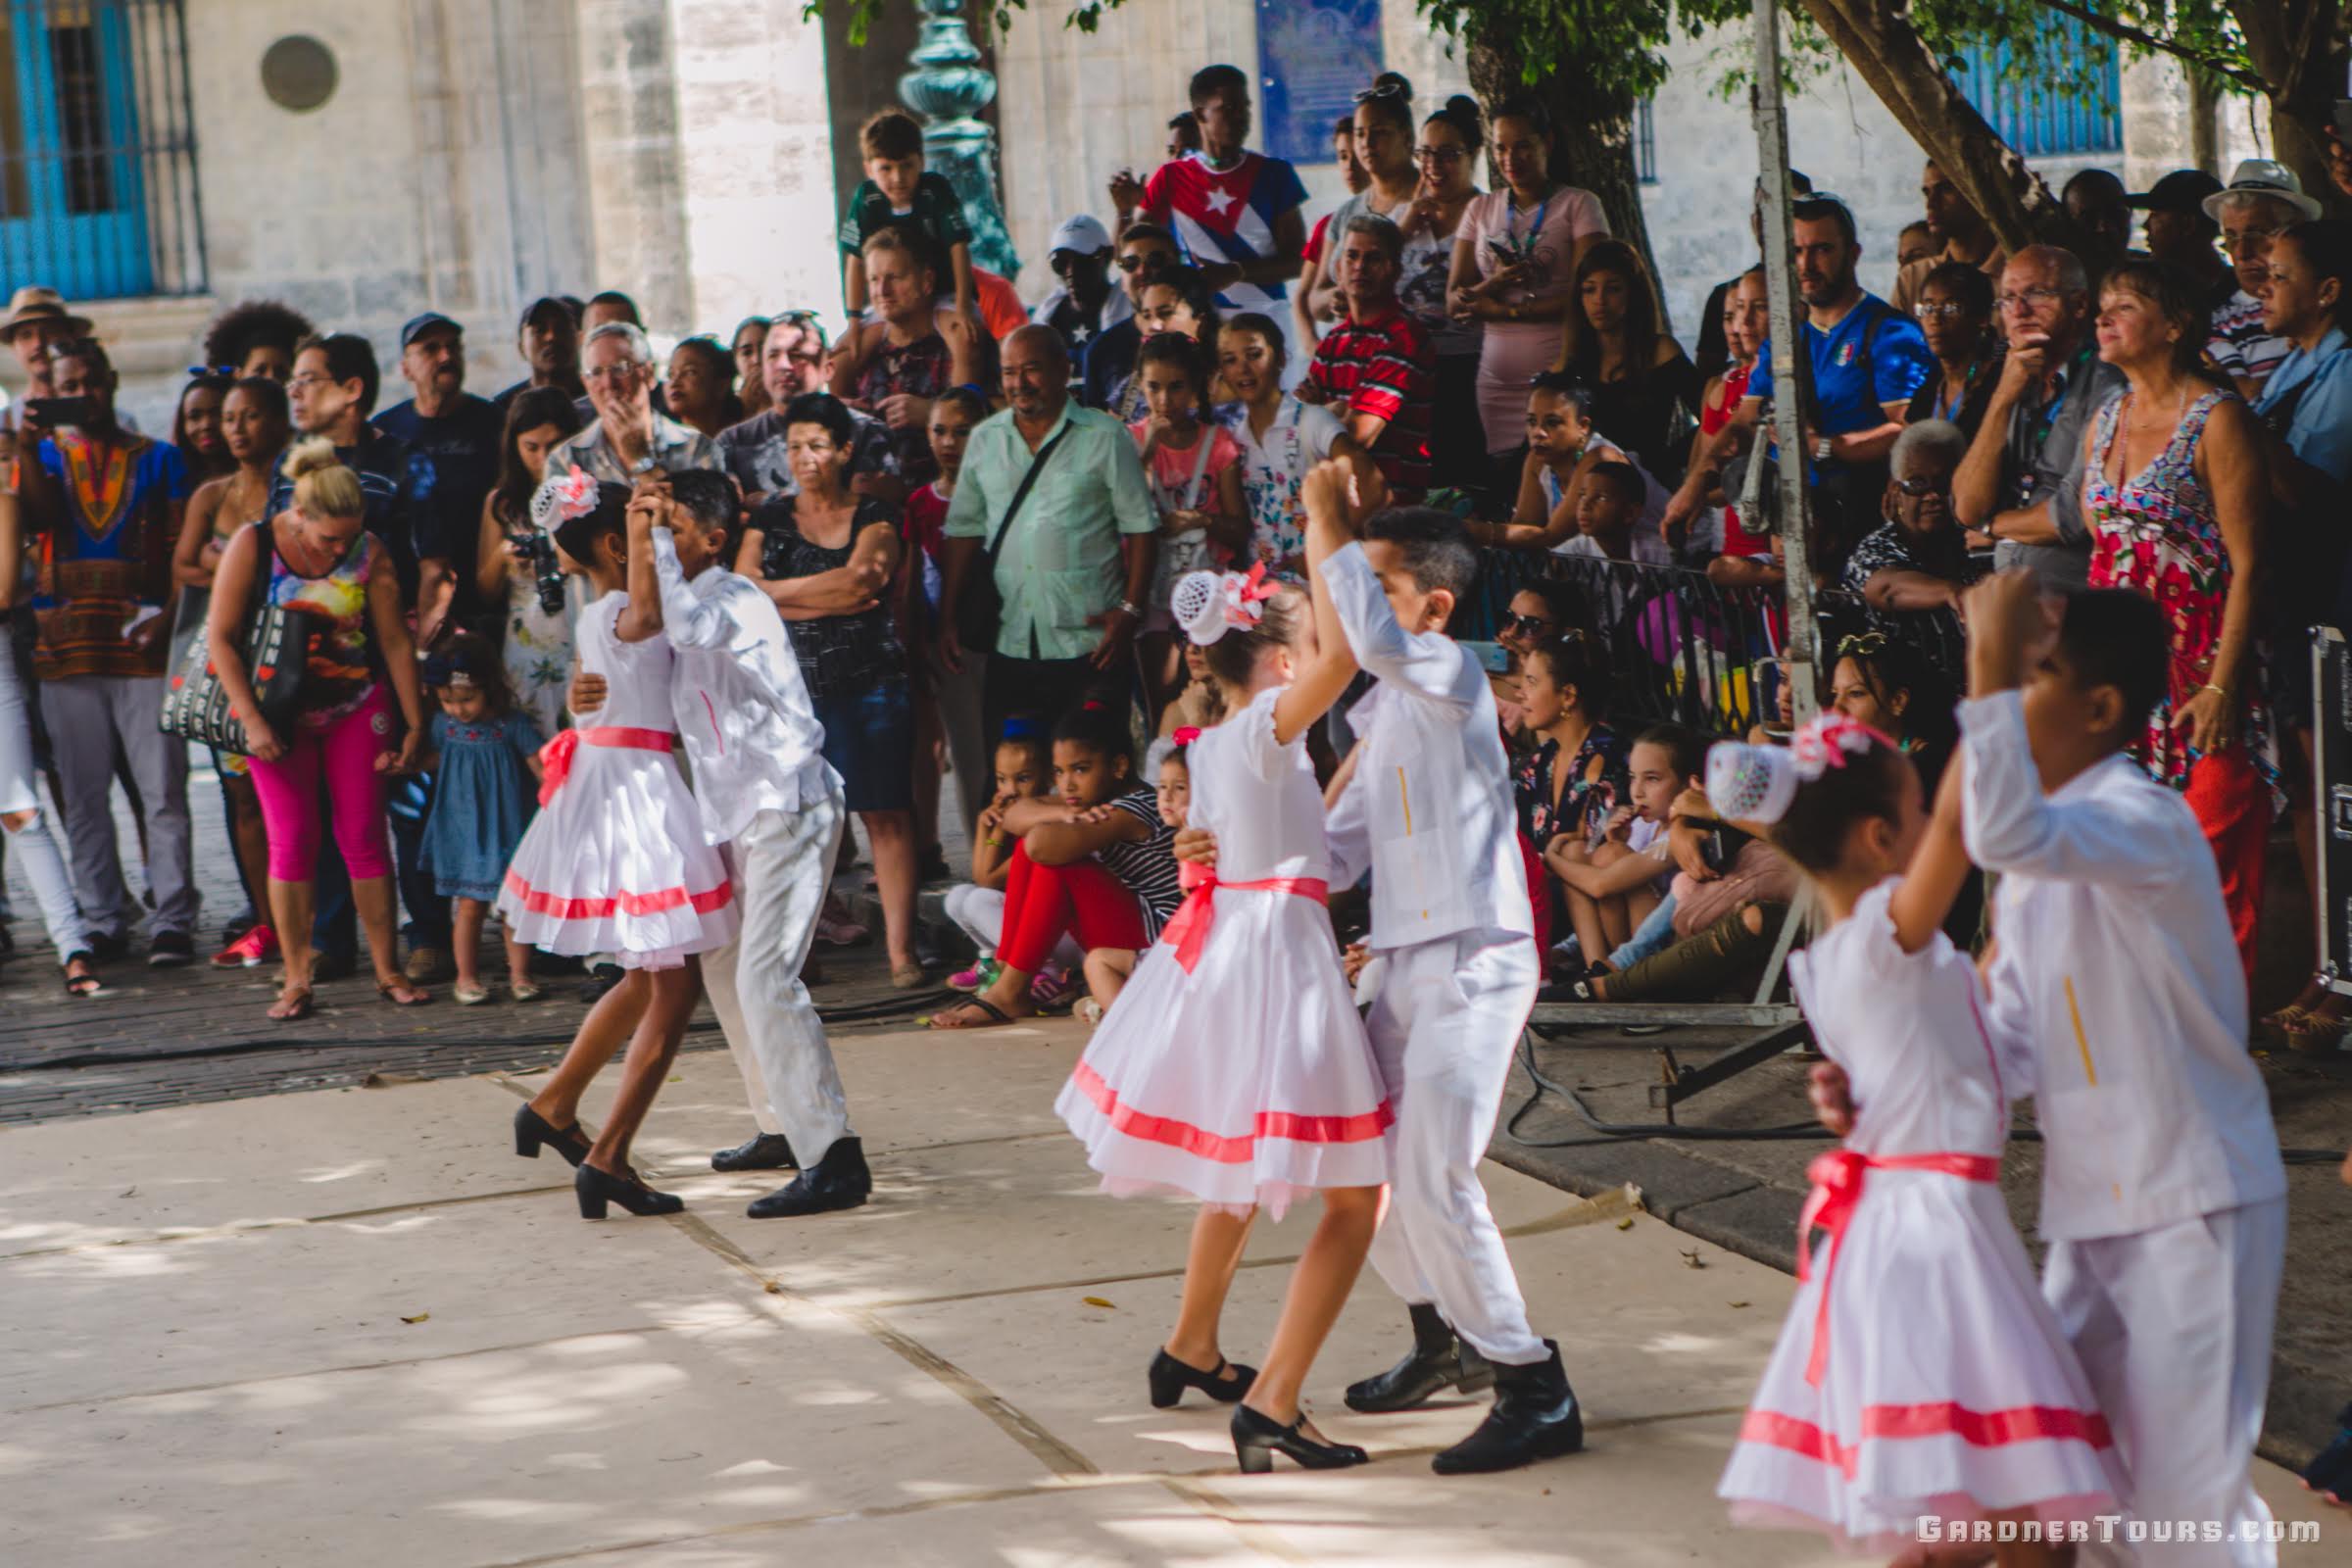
{"x":1257,"y":1438}
{"x":598,"y":1188}
{"x":533,"y":1132}
{"x":1170,"y":1377}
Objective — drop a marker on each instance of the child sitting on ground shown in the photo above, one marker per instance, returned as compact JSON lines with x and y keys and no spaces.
{"x":1094,"y":860}
{"x":1024,"y":772}
{"x":1622,"y":881}
{"x":485,"y":760}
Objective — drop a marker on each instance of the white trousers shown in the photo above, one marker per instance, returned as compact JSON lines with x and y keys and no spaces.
{"x":1444,"y":1027}
{"x":89,"y":717}
{"x":21,"y":790}
{"x":2172,"y":1326}
{"x":979,"y":913}
{"x":782,"y":863}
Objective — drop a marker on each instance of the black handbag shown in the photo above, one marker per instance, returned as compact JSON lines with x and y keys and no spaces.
{"x":981,"y":609}
{"x":275,"y":645}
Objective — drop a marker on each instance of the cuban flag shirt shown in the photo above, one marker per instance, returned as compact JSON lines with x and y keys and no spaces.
{"x":1227,"y":214}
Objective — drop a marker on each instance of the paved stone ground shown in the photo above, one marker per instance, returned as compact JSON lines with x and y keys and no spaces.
{"x":172,"y":1038}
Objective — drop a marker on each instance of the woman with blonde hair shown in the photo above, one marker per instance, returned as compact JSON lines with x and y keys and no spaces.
{"x":316,"y":558}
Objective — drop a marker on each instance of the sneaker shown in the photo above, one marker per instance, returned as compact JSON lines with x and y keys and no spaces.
{"x":257,"y":947}
{"x":168,"y":949}
{"x":1053,"y":988}
{"x":977,"y":978}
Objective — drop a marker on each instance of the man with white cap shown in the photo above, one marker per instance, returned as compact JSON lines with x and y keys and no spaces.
{"x":2262,"y":198}
{"x":1083,"y":304}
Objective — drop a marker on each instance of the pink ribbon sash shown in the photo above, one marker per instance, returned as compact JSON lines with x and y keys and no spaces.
{"x":555,"y":757}
{"x":1836,"y":1190}
{"x":1188,"y":931}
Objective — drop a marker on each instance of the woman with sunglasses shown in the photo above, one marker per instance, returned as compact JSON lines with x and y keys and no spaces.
{"x":1447,"y":156}
{"x":1383,"y":145}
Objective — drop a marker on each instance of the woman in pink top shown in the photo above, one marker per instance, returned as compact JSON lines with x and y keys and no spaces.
{"x":1514,"y":258}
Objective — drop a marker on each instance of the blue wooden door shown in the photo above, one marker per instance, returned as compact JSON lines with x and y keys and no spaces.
{"x":72,"y":197}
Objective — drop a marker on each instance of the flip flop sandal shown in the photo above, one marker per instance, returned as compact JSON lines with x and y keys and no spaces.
{"x":81,"y":985}
{"x":292,"y":1006}
{"x":995,"y":1014}
{"x":417,"y":997}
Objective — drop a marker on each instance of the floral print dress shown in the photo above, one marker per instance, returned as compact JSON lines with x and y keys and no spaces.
{"x":2157,"y":532}
{"x":1582,"y":800}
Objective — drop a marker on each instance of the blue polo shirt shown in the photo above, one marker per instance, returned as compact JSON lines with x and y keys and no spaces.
{"x":2320,"y":432}
{"x":1851,"y":386}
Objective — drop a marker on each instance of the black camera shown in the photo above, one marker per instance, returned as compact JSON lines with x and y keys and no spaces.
{"x":546,"y":574}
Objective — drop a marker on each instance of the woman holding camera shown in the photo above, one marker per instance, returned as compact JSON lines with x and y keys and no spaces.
{"x":538,"y":642}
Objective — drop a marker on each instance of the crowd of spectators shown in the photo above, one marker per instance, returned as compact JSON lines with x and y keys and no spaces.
{"x":971,"y":513}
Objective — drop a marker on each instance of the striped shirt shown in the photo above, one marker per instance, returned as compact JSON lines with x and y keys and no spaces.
{"x":2241,"y":346}
{"x":1385,"y":368}
{"x":1148,"y":865}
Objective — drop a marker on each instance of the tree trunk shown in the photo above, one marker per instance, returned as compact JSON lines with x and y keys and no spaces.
{"x":2204,"y":124}
{"x":2298,"y":48}
{"x":1593,"y":134}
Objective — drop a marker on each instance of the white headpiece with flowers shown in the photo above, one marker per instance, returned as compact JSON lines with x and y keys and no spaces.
{"x":1758,"y":783}
{"x":561,"y":498}
{"x":1209,"y":603}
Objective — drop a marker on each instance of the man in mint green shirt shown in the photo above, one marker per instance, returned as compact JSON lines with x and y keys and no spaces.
{"x":1075,"y":563}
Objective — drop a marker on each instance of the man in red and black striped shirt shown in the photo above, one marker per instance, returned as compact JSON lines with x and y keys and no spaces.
{"x":1377,"y":369}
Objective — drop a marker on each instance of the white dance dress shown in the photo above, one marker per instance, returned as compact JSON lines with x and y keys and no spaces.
{"x":617,"y":860}
{"x":1244,"y":1078}
{"x":1936,"y":1381}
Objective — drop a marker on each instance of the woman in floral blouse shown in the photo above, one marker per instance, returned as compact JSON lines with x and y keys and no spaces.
{"x":2172,"y":487}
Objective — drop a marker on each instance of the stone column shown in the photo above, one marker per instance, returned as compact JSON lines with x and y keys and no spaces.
{"x":628,"y":106}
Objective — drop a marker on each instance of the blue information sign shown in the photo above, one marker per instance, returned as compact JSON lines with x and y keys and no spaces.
{"x":1313,"y":57}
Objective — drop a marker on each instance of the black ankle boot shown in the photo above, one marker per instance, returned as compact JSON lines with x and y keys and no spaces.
{"x":1438,"y":1361}
{"x":760,"y":1151}
{"x":1536,"y":1416}
{"x":840,"y":1180}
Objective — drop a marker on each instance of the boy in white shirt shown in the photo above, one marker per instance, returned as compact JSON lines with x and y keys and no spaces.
{"x":1428,"y":806}
{"x":2118,"y":995}
{"x":767,"y":793}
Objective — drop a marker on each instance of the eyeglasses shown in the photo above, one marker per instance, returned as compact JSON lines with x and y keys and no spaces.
{"x":1063,"y":262}
{"x":1440,"y":155}
{"x":1526,"y":623}
{"x":1928,"y":311}
{"x":227,"y":372}
{"x":2032,"y":299}
{"x":1134,"y":260}
{"x":2248,"y":236}
{"x":1862,"y":645}
{"x":307,"y":378}
{"x":1380,"y":89}
{"x":1918,"y":488}
{"x":617,"y":371}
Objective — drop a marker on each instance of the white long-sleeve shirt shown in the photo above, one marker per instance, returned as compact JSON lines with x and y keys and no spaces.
{"x":1429,"y":807}
{"x":2118,"y":990}
{"x":738,"y":699}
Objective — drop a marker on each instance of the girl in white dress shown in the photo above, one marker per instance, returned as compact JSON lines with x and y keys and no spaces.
{"x":615,"y":862}
{"x":1233,"y":1067}
{"x":1920,"y":1374}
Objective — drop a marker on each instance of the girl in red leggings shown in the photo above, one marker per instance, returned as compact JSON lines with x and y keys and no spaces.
{"x":1094,"y":861}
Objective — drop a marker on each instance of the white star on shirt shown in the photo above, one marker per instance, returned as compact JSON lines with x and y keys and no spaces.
{"x":1078,"y":335}
{"x":1219,"y":199}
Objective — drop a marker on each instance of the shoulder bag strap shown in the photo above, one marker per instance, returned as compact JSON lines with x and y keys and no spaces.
{"x":1036,"y":466}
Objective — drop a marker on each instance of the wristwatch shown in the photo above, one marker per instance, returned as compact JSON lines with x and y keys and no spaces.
{"x":1128,"y":606}
{"x":1821,"y":450}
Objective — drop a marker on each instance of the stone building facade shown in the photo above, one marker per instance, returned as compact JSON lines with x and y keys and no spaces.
{"x":470,"y":155}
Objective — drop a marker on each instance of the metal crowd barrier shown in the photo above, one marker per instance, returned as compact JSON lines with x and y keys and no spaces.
{"x":1686,"y":651}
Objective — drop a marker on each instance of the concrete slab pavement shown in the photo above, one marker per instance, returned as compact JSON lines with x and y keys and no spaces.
{"x":350,"y":1327}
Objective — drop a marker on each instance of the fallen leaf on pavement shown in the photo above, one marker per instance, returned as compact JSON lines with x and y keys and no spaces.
{"x":1738,"y":1303}
{"x":1097,"y":1301}
{"x":1626,"y":1224}
{"x":419,"y":1318}
{"x":1693,"y":1261}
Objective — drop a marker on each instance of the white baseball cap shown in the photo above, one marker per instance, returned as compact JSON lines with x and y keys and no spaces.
{"x":2263,"y":177}
{"x":1084,"y":235}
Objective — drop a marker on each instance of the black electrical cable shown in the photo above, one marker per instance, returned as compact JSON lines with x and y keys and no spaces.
{"x":1793,"y":1132}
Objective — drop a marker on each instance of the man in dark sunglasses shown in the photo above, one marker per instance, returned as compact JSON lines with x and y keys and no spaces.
{"x":1918,"y":559}
{"x":1082,"y":305}
{"x":1146,"y":250}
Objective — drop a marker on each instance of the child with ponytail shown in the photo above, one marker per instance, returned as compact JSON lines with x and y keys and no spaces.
{"x":1920,"y":1373}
